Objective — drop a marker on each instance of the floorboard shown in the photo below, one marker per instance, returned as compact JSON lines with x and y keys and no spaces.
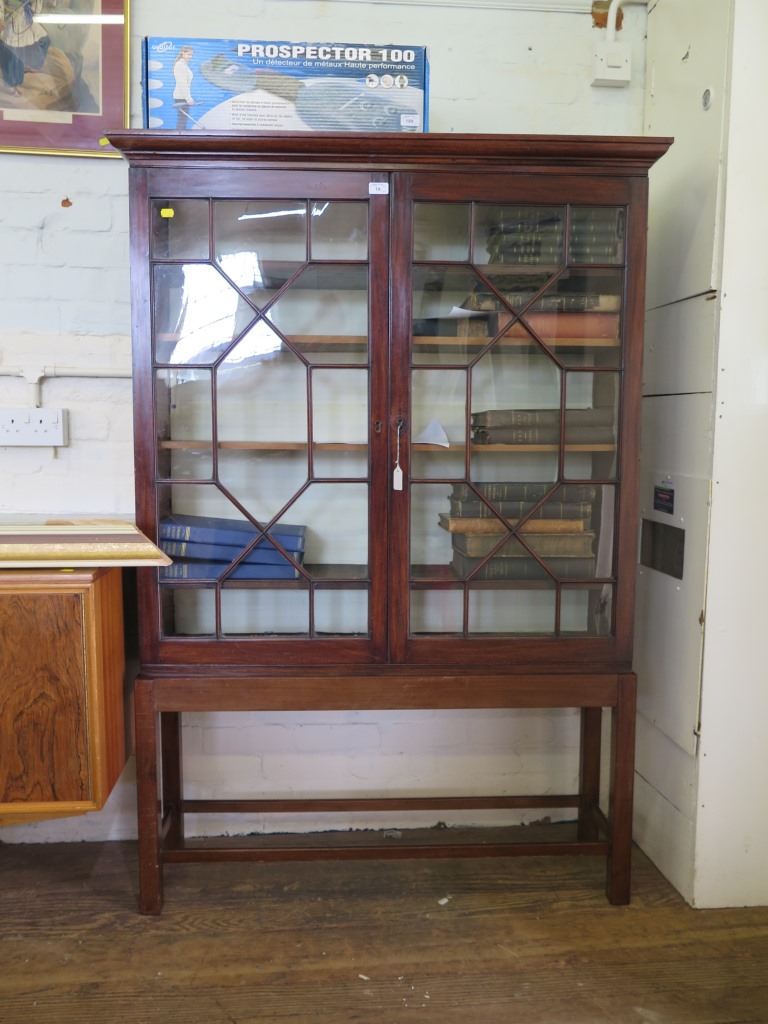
{"x":496,"y":941}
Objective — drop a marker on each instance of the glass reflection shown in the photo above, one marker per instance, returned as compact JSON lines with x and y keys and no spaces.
{"x":274,"y":229}
{"x":196,"y":313}
{"x":448,"y":326}
{"x":339,"y":231}
{"x":596,"y":234}
{"x":184,"y":422}
{"x":519,"y":235}
{"x":441,"y":231}
{"x":324,"y":313}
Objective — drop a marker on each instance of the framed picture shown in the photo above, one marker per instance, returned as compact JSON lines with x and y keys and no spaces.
{"x":63,"y":75}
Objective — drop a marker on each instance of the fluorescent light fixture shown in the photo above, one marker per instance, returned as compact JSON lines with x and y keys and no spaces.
{"x":80,"y":19}
{"x":315,"y":212}
{"x":272,"y":213}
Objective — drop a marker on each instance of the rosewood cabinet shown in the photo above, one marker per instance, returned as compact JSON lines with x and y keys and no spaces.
{"x":62,"y":718}
{"x":387,"y":393}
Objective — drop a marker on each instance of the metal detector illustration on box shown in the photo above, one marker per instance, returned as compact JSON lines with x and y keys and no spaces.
{"x":203,"y":84}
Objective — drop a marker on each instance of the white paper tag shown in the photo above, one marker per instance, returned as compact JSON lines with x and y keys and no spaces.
{"x":397,"y":479}
{"x":378,"y":188}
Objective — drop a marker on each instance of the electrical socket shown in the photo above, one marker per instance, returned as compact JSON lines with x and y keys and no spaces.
{"x":612,"y":64}
{"x":33,"y":428}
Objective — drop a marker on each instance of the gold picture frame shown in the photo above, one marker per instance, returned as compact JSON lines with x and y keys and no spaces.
{"x":63,"y":75}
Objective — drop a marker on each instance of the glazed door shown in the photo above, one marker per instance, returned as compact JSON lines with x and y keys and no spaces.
{"x":508,"y":364}
{"x":267,"y":307}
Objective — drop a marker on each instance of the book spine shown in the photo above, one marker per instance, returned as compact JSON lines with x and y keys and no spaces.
{"x":562,"y":510}
{"x":504,"y":490}
{"x":546,"y":545}
{"x":523,"y":568}
{"x":602,"y":416}
{"x":555,"y":302}
{"x":183,"y":570}
{"x":225,"y":552}
{"x":543,"y":435}
{"x":491,"y":525}
{"x":591,"y":324}
{"x":207,"y":532}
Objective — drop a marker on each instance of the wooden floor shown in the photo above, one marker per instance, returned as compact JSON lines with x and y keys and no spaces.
{"x":508,"y":941}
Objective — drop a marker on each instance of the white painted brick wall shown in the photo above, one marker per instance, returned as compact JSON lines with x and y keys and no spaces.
{"x":64,"y":295}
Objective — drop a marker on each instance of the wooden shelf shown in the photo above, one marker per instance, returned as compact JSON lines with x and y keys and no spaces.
{"x":267,"y":446}
{"x":330,"y":575}
{"x":442,"y":342}
{"x":328,"y":446}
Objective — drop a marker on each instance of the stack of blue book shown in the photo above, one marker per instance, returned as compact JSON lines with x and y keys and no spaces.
{"x":203,"y":547}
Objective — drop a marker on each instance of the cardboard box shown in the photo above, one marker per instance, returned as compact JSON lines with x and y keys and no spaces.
{"x":236,"y":84}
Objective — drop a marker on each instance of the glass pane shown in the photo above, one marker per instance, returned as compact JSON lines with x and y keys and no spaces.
{"x":341,"y":613}
{"x":596,"y":234}
{"x":577,"y":314}
{"x":197,"y":499}
{"x":591,"y":425}
{"x":521,"y":463}
{"x":512,"y":610}
{"x":591,"y":415}
{"x":348,"y":461}
{"x":262,"y":483}
{"x":340,"y":407}
{"x":262,"y":397}
{"x":196,"y":313}
{"x":256,"y":611}
{"x":209,"y":539}
{"x":180,"y":229}
{"x":324,"y":313}
{"x":515,"y":563}
{"x":337,"y":529}
{"x":437,"y":611}
{"x":446,"y":326}
{"x":438,"y":409}
{"x":184,"y":420}
{"x":586,"y":610}
{"x":430,"y":536}
{"x":519,"y":235}
{"x":603,"y":524}
{"x":262,"y":427}
{"x":188,"y":611}
{"x":441,"y":231}
{"x":426,"y":464}
{"x":529,"y":501}
{"x":508,"y":390}
{"x":496,"y":528}
{"x":260,"y":244}
{"x":339,"y":231}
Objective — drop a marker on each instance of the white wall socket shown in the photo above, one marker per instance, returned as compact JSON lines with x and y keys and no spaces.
{"x":33,"y":427}
{"x":612,"y":64}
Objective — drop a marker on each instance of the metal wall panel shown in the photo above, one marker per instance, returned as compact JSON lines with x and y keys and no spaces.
{"x":676,"y":456}
{"x":685,"y":97}
{"x":680,"y":346}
